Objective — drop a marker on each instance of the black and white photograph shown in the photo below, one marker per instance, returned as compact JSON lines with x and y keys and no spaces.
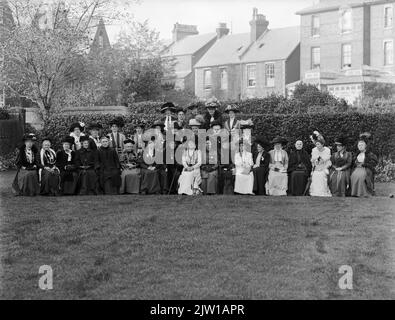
{"x":197,"y":155}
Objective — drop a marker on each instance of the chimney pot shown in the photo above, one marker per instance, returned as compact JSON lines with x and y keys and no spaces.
{"x":258,"y":25}
{"x":181,"y":31}
{"x":222,"y":30}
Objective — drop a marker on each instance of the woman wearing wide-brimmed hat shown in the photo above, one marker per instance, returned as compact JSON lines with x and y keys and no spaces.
{"x":49,"y":172}
{"x":76,"y":131}
{"x":168,"y":109}
{"x":232,"y":124}
{"x":94,"y":130}
{"x":116,"y":137}
{"x":26,"y":181}
{"x":138,"y":137}
{"x":244,"y":177}
{"x":130,"y":162}
{"x":277,"y":183}
{"x":364,"y":163}
{"x":66,"y":163}
{"x":299,"y":170}
{"x":321,"y":162}
{"x":261,"y":165}
{"x":190,"y":178}
{"x":339,"y":176}
{"x":212,"y":113}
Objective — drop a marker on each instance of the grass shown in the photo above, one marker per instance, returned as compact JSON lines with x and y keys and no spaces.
{"x":214,"y":247}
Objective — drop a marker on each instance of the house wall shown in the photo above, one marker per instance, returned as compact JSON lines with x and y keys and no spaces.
{"x":292,"y":66}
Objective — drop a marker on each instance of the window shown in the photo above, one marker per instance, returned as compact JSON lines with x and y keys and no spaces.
{"x":315,"y":58}
{"x":224,"y":78}
{"x":207,"y":79}
{"x":251,"y":80}
{"x":269,"y":74}
{"x":315,"y":26}
{"x":345,"y":20}
{"x":388,"y":53}
{"x":346,"y":56}
{"x":388,"y":16}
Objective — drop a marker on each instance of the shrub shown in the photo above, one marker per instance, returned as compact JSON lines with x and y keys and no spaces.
{"x":4,"y":114}
{"x":7,"y":161}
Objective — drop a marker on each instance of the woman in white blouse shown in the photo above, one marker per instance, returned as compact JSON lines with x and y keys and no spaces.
{"x":321,"y":162}
{"x":277,"y":183}
{"x":190,"y":179}
{"x":244,"y":182}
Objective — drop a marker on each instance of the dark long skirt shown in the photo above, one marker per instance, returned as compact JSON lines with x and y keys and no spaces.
{"x":173,"y":174}
{"x":339,"y":183}
{"x":209,"y":182}
{"x":87,"y":182}
{"x":68,"y":182}
{"x":110,"y":181}
{"x":130,"y":181}
{"x":50,"y":183}
{"x":260,"y":178}
{"x":226,"y":182}
{"x":297,"y":183}
{"x":150,"y":181}
{"x":362,"y":182}
{"x":26,"y":183}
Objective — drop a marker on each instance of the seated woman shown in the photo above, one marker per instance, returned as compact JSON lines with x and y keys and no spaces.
{"x":277,"y":183}
{"x":339,"y":177}
{"x":50,"y":174}
{"x":190,"y":179}
{"x":88,"y":164}
{"x":321,"y":162}
{"x":150,"y":171}
{"x":244,"y":177}
{"x":66,"y":163}
{"x":26,"y":179}
{"x":261,"y":166}
{"x":110,"y":168}
{"x":226,"y":179}
{"x":299,"y":170}
{"x":362,"y":177}
{"x":209,"y":170}
{"x":130,"y":176}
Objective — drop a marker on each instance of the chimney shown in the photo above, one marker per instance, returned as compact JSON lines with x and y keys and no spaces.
{"x":222,"y":30}
{"x":258,"y":25}
{"x":183,"y":30}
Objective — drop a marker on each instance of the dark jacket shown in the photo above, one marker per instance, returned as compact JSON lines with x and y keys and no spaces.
{"x":22,"y":161}
{"x":207,"y":118}
{"x":343,"y":161}
{"x":87,"y":157}
{"x":299,"y":160}
{"x":62,"y":162}
{"x":369,"y":163}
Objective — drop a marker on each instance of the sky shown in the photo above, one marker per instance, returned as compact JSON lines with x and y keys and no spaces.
{"x":206,"y":14}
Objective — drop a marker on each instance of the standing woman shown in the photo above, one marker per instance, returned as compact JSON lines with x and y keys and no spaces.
{"x":212,"y":113}
{"x":88,"y":164}
{"x":232,"y":123}
{"x":299,"y":170}
{"x":116,"y":137}
{"x":66,"y":162}
{"x":277,"y":183}
{"x":94,"y":137}
{"x":26,"y":179}
{"x":362,"y":177}
{"x":110,"y":168}
{"x":76,"y":131}
{"x":50,"y":174}
{"x":339,"y":177}
{"x":190,"y":179}
{"x":244,"y":178}
{"x":321,"y":162}
{"x":130,"y":177}
{"x":261,"y":166}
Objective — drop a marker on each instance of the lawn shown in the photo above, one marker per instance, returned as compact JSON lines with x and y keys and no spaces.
{"x":214,"y":247}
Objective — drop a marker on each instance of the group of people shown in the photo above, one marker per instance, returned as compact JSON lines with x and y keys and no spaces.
{"x":92,"y":163}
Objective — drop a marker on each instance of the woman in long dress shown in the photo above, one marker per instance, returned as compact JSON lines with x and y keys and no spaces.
{"x":209,"y":170}
{"x":261,"y":166}
{"x":26,"y":181}
{"x":50,"y":174}
{"x":151,"y":171}
{"x":110,"y":168}
{"x":339,"y":177}
{"x":321,"y":162}
{"x":190,"y":179}
{"x":130,"y":177}
{"x":362,"y":177}
{"x":277,"y":183}
{"x":76,"y":131}
{"x":87,"y":162}
{"x":244,"y":178}
{"x":66,"y":163}
{"x":299,"y":170}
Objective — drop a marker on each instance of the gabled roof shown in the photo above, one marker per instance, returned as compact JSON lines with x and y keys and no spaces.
{"x":189,"y":45}
{"x":275,"y":44}
{"x":226,"y":50}
{"x":330,"y":5}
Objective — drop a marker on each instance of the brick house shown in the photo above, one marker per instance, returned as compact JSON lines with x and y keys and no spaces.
{"x":185,"y":50}
{"x":347,"y":43}
{"x":247,"y":65}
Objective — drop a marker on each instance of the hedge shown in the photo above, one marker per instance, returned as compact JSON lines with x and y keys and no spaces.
{"x":292,"y":126}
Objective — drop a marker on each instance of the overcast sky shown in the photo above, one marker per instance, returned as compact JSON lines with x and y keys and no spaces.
{"x":206,"y":14}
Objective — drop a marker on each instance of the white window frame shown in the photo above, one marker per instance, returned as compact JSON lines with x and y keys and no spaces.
{"x":223,"y":85}
{"x":205,"y":85}
{"x":248,"y":66}
{"x":272,"y":82}
{"x":342,"y":56}
{"x":315,"y":35}
{"x":388,"y":6}
{"x":342,"y":11}
{"x":384,"y":54}
{"x":312,"y":60}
